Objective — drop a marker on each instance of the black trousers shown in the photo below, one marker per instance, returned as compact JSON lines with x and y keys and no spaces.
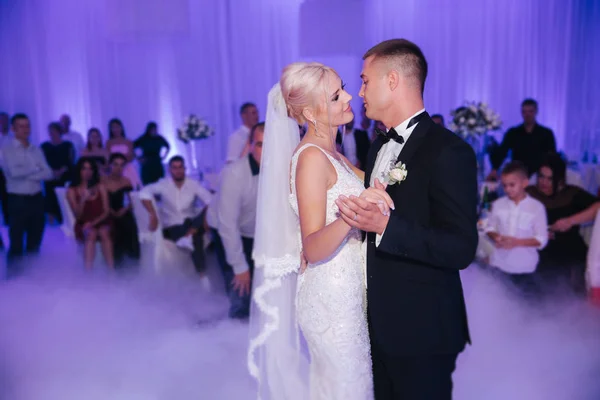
{"x":176,"y":232}
{"x":26,"y":225}
{"x":4,"y":197}
{"x":239,"y":305}
{"x":426,"y":377}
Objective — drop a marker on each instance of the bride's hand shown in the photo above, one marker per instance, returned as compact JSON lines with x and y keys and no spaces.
{"x":379,"y":197}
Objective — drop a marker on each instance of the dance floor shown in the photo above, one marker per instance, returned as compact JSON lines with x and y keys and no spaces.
{"x":67,"y":334}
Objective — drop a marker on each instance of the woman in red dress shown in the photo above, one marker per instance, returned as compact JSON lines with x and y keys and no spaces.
{"x":88,"y":199}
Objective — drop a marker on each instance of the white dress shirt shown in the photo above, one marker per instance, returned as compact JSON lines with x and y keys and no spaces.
{"x":525,"y":220}
{"x":175,"y":204}
{"x":77,"y":140}
{"x":388,"y":154}
{"x":349,"y":146}
{"x":24,"y":167}
{"x":237,"y":142}
{"x":236,"y":209}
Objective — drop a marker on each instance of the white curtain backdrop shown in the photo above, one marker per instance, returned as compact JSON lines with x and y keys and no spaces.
{"x":143,"y":60}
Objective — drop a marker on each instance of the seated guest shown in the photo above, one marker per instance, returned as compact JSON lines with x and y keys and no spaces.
{"x":564,"y":258}
{"x":236,"y":219}
{"x":528,"y":142}
{"x":60,"y":156}
{"x":94,"y":150}
{"x":177,"y":203}
{"x":517,"y":225}
{"x":88,"y":199}
{"x":125,"y":232}
{"x":118,"y":143}
{"x":25,"y":168}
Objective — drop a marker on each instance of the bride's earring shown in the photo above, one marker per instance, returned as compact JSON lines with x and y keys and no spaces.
{"x":315,"y":124}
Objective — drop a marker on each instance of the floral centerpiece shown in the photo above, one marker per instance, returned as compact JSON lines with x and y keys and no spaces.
{"x":194,"y":128}
{"x":472,"y":121}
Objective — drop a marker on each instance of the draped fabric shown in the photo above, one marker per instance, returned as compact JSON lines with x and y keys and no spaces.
{"x":159,"y":60}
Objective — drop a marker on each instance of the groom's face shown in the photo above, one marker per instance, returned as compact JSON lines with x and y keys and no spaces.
{"x":374,"y":91}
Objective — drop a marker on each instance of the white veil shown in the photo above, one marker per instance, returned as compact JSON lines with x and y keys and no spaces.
{"x":275,"y":357}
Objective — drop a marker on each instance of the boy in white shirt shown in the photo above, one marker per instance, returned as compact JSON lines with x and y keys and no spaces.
{"x":518,"y":227}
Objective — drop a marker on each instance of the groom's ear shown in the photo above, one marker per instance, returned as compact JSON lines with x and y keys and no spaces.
{"x":393,"y":79}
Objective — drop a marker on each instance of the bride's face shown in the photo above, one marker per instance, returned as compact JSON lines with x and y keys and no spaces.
{"x":334,"y":108}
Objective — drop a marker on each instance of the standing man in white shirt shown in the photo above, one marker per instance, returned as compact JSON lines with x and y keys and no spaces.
{"x":177,"y":199}
{"x":4,"y":138}
{"x":74,"y":137}
{"x":236,"y":220}
{"x":518,"y":227}
{"x":237,"y":146}
{"x":25,"y":169}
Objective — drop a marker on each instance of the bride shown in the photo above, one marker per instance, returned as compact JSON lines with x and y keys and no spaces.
{"x":326,"y":298}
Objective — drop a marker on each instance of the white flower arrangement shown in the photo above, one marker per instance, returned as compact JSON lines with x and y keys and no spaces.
{"x":474,"y":119}
{"x":194,"y":128}
{"x":398,"y":173}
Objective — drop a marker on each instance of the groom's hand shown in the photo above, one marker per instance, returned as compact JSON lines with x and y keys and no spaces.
{"x":361,"y":214}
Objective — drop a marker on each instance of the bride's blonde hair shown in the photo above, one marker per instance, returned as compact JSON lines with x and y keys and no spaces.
{"x":299,"y":83}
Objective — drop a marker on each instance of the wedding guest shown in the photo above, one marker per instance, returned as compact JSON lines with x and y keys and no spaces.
{"x":72,"y":136}
{"x":5,"y":137}
{"x":355,"y":145}
{"x":125,"y":231}
{"x":518,"y":227}
{"x":94,"y":150}
{"x":88,"y":199}
{"x":154,"y":149}
{"x":365,"y":122}
{"x":60,"y":156}
{"x":563,"y":260}
{"x":438,"y":119}
{"x":379,"y":126}
{"x":25,"y":169}
{"x":118,"y":143}
{"x":236,"y":214}
{"x":181,"y":219}
{"x":237,"y":146}
{"x":529,"y":142}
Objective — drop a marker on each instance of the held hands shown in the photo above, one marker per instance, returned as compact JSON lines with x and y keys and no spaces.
{"x":369,"y":212}
{"x":506,"y":242}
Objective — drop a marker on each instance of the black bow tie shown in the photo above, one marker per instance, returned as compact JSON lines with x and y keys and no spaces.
{"x":389,"y":135}
{"x":393,"y":135}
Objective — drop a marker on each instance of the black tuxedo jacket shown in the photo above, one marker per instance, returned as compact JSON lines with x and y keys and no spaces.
{"x":415,"y":298}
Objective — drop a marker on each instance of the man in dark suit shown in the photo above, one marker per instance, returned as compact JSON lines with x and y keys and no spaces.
{"x":417,"y":315}
{"x":529,"y":142}
{"x":354,"y":144}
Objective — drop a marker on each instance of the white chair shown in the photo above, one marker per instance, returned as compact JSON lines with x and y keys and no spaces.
{"x":160,"y":254}
{"x":65,"y":209}
{"x":593,"y":256}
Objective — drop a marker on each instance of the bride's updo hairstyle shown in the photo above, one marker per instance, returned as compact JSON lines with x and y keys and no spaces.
{"x":301,"y":83}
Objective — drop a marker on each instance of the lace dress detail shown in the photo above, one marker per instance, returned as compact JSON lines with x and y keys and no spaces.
{"x":331,"y":304}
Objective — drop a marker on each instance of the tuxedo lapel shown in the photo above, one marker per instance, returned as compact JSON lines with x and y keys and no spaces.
{"x":375,"y":147}
{"x":415,"y":140}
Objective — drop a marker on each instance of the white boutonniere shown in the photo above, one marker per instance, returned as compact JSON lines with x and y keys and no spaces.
{"x":397,"y":173}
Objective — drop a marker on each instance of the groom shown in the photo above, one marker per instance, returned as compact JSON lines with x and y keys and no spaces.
{"x":417,"y":316}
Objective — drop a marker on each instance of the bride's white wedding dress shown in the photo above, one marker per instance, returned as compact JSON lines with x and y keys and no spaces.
{"x":331,"y":304}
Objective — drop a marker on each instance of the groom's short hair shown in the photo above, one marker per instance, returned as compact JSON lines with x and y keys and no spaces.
{"x":404,"y":55}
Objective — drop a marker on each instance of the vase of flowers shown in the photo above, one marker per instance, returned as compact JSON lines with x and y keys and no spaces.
{"x":472,"y":121}
{"x":192,"y":130}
